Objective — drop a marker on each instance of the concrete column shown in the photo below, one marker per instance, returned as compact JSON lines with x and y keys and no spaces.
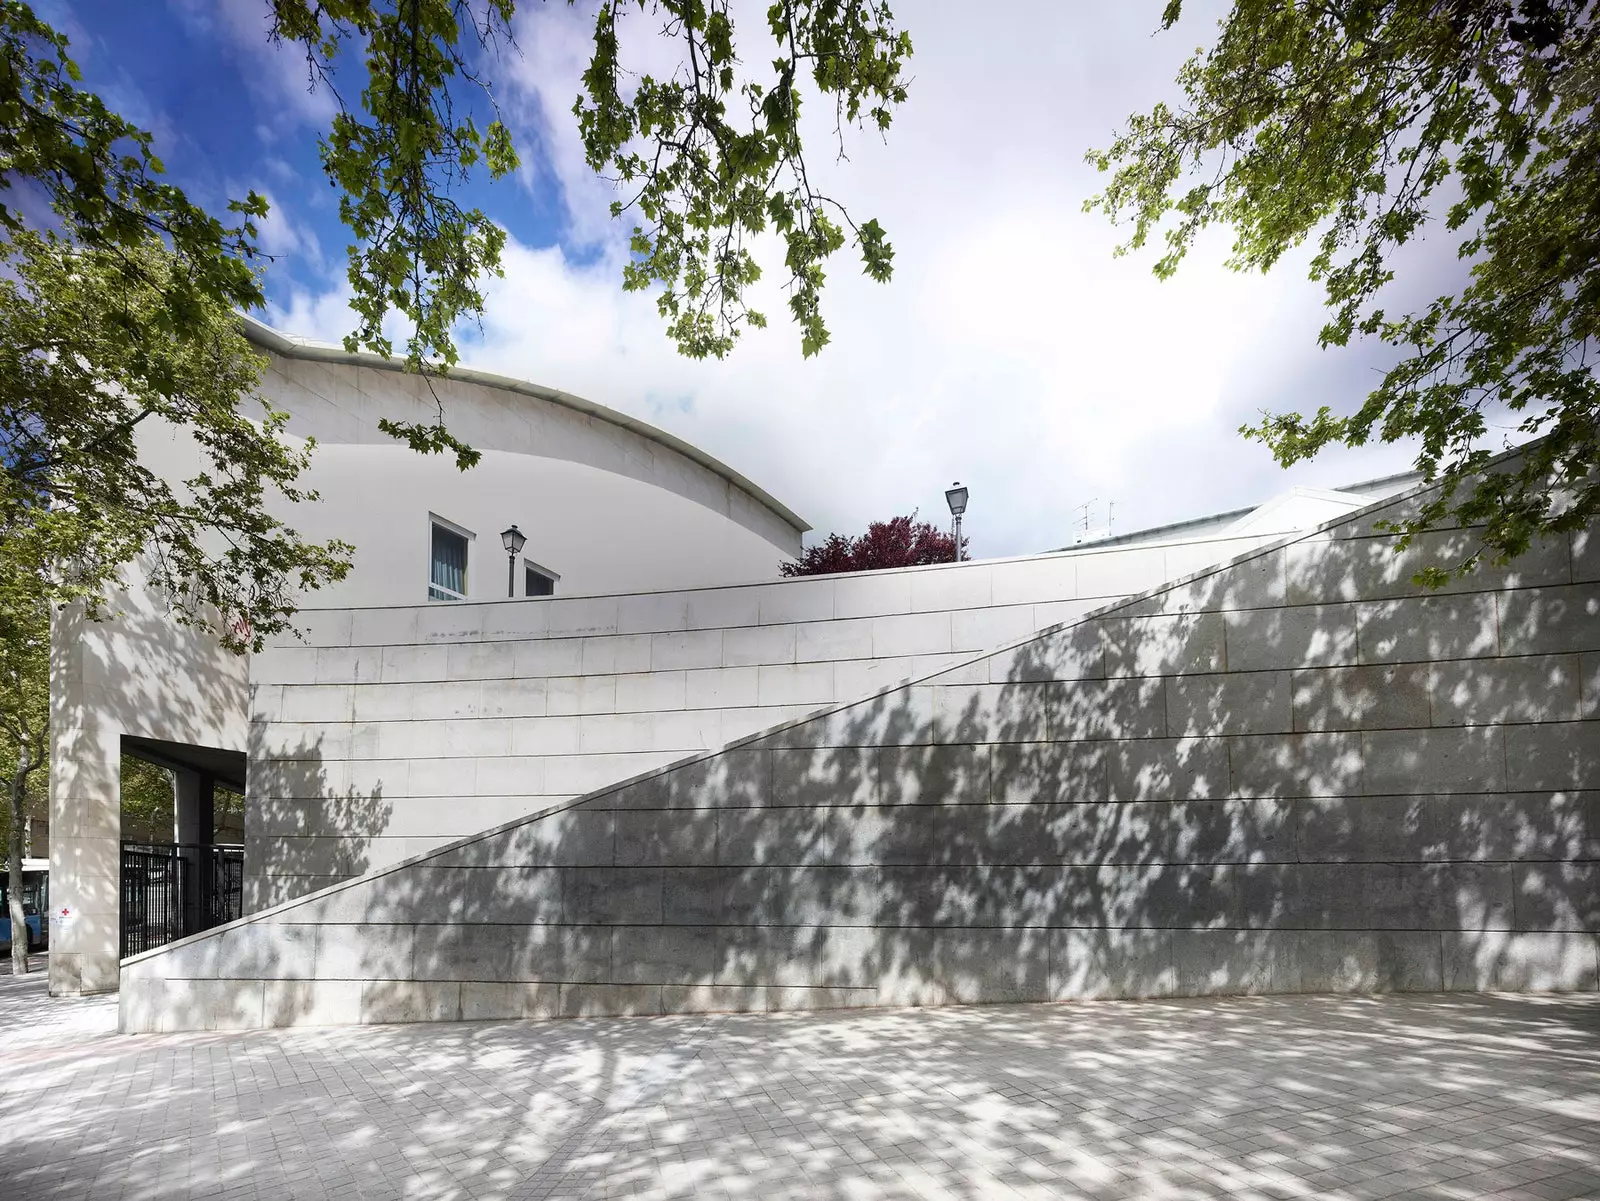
{"x":85,"y":825}
{"x":194,"y":827}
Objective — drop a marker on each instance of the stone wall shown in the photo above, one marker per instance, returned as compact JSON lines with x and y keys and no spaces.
{"x":1296,"y":772}
{"x":389,"y":732}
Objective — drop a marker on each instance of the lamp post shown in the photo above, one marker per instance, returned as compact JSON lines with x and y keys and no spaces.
{"x":513,"y":540}
{"x":956,"y":497}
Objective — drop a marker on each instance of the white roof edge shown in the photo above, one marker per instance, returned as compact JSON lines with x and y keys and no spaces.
{"x":294,"y":346}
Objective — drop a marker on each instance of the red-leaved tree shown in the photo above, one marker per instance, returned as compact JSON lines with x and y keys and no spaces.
{"x":898,"y":542}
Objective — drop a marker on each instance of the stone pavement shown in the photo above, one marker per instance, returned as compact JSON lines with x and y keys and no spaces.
{"x":1405,"y":1096}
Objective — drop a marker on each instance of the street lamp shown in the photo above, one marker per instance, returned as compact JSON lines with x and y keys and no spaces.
{"x":956,"y":497}
{"x":513,"y":540}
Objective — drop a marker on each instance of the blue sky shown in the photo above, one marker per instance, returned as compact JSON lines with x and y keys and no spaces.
{"x":1011,"y":351}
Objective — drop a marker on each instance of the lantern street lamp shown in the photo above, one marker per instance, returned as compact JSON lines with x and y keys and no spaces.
{"x":956,"y":497}
{"x":513,"y":540}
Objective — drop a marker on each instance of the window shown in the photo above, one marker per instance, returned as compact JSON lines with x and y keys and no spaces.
{"x":537,"y":581}
{"x":447,"y":576}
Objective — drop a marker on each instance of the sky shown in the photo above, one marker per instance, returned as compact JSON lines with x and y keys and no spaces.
{"x":1067,"y":388}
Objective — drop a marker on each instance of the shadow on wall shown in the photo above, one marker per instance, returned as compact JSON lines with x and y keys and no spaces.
{"x":311,"y":828}
{"x":1294,"y":773}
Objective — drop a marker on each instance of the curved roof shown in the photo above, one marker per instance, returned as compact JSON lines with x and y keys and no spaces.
{"x":295,"y":347}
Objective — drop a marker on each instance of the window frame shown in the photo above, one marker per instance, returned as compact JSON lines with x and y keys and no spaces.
{"x":467,"y":537}
{"x":528,"y":565}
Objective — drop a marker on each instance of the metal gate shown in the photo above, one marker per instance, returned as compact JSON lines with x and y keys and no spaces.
{"x":170,"y":890}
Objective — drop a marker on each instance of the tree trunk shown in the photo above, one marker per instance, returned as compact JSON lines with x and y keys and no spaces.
{"x":19,"y":922}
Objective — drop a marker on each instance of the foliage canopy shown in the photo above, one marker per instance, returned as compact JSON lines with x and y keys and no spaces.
{"x":1357,"y":123}
{"x":898,"y":542}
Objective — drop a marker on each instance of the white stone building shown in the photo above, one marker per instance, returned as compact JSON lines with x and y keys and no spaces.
{"x":645,"y":622}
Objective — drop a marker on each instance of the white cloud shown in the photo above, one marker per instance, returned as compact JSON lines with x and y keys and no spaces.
{"x":1011,"y":350}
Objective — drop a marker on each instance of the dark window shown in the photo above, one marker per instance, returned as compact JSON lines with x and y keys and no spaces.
{"x":538,"y":583}
{"x":447,"y":579}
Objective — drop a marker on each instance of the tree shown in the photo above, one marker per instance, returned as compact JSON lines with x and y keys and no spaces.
{"x":1362,"y":124}
{"x":24,"y":730}
{"x":898,"y":542}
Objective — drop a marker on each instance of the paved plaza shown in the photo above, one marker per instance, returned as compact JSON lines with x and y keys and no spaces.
{"x":1407,"y":1096}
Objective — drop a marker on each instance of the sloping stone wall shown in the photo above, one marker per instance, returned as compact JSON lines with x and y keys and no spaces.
{"x":1296,"y":772}
{"x":389,"y":732}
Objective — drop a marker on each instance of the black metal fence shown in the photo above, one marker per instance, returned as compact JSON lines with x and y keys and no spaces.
{"x":170,"y":890}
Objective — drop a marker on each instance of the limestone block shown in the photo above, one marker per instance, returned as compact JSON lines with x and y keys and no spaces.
{"x":1233,"y":962}
{"x":911,"y":634}
{"x":1362,"y":698}
{"x":511,"y":775}
{"x":1290,"y":765}
{"x":1539,"y":621}
{"x":987,"y":967}
{"x":577,"y":953}
{"x":428,"y":776}
{"x":1120,"y":573}
{"x":1094,"y":963}
{"x":734,"y":998}
{"x":364,"y":951}
{"x":651,"y":691}
{"x":445,"y":700}
{"x":687,"y":650}
{"x":1368,"y":829}
{"x":450,"y":623}
{"x":616,"y":654}
{"x":1036,"y":579}
{"x":754,"y":646}
{"x":721,"y":687}
{"x":803,"y":896}
{"x":325,"y":627}
{"x":382,"y":702}
{"x":311,"y":1003}
{"x":680,"y":955}
{"x":1167,"y":644}
{"x":545,"y":736}
{"x":1428,"y":629}
{"x":385,"y":1001}
{"x":1161,"y":769}
{"x":1126,"y":708}
{"x":482,"y":1001}
{"x":318,"y":703}
{"x":824,"y":777}
{"x":931,"y":775}
{"x":285,"y":665}
{"x":652,"y":612}
{"x":795,"y":601}
{"x":1589,"y":671}
{"x":210,"y":1005}
{"x":1558,"y":896}
{"x":904,"y":715}
{"x":611,"y":896}
{"x":513,"y":698}
{"x":828,"y":641}
{"x":1341,"y":961}
{"x":694,"y":896}
{"x":1585,"y":546}
{"x":770,"y":956}
{"x":984,"y":629}
{"x":1063,"y":613}
{"x":1528,"y":962}
{"x":544,"y":658}
{"x":1298,"y":636}
{"x":569,"y":838}
{"x":871,"y":594}
{"x":1370,"y":568}
{"x":992,"y":713}
{"x":610,"y":1000}
{"x":1255,"y":702}
{"x":572,"y":617}
{"x":958,"y":586}
{"x":266,"y":951}
{"x":1255,"y":582}
{"x":415,"y":664}
{"x":1471,"y":759}
{"x":514,"y":620}
{"x":565,"y":696}
{"x":665,"y":837}
{"x":1536,"y":689}
{"x":795,"y":684}
{"x":718,"y":608}
{"x":789,"y":837}
{"x":480,"y":661}
{"x":469,"y":951}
